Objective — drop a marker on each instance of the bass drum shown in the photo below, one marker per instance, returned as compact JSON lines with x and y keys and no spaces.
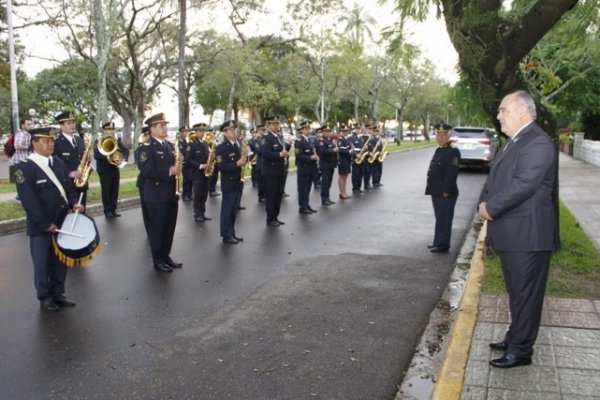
{"x":78,"y":248}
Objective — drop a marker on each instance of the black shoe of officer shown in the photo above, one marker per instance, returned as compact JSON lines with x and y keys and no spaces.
{"x":163,"y":267}
{"x":305,"y":211}
{"x":439,"y":250}
{"x":174,"y":264}
{"x":199,"y":218}
{"x":241,"y":208}
{"x":312,"y":210}
{"x":230,"y":240}
{"x":214,"y":194}
{"x":239,"y":239}
{"x":116,"y":214}
{"x":501,"y":346}
{"x":273,"y":223}
{"x":49,"y":305}
{"x":62,"y":301}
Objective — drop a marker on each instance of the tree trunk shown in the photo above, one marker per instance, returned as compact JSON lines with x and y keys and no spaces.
{"x":184,"y":106}
{"x":231,"y":98}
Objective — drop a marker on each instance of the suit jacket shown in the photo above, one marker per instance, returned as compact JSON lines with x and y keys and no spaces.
{"x":518,"y":193}
{"x":304,"y":151}
{"x":155,"y":161}
{"x":231,"y":175}
{"x":40,"y":198}
{"x":443,"y":172}
{"x":196,"y":154}
{"x":327,"y":157}
{"x":271,"y":148}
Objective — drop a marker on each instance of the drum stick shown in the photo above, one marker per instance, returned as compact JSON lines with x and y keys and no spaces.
{"x":69,"y":233}
{"x":76,"y":212}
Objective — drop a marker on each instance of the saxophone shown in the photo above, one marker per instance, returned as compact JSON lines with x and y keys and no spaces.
{"x":384,"y":152}
{"x":84,"y":167}
{"x":209,"y":138}
{"x":363,"y":153}
{"x":243,"y":154}
{"x":375,"y":154}
{"x":179,"y":176}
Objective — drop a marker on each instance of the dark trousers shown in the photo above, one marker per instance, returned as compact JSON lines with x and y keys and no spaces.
{"x":443,"y":208}
{"x":285,"y":174}
{"x":212,"y":187}
{"x":273,"y":192}
{"x":239,"y":200}
{"x":317,"y":176}
{"x":109,"y":185}
{"x":326,"y":179}
{"x":376,"y":172}
{"x":304,"y":186}
{"x":163,"y":218}
{"x":145,"y":213}
{"x":200,"y":195}
{"x":261,"y":184}
{"x":525,"y":276}
{"x":229,"y":205}
{"x":187,"y":183}
{"x":49,"y":274}
{"x":357,"y":175}
{"x":366,"y":173}
{"x":254,"y":175}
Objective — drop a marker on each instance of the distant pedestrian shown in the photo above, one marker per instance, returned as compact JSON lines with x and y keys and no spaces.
{"x":443,"y":189}
{"x":517,"y":203}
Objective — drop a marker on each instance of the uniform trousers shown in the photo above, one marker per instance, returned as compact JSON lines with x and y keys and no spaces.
{"x":239,"y":200}
{"x":357,"y":175}
{"x":187,"y":183}
{"x":376,"y":172}
{"x":255,"y":174}
{"x":304,"y":186}
{"x":200,"y":195}
{"x":145,"y":213}
{"x":229,"y":205}
{"x":163,"y":218}
{"x":49,"y":274}
{"x":366,"y":173}
{"x":109,"y":185}
{"x":443,"y":208}
{"x":525,"y":276}
{"x":273,"y":192}
{"x":326,"y":179}
{"x":261,"y":184}
{"x":213,"y":181}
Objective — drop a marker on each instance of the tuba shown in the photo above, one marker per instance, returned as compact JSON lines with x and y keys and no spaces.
{"x":210,"y":140}
{"x":84,"y":167}
{"x":108,"y":146}
{"x":364,"y":152}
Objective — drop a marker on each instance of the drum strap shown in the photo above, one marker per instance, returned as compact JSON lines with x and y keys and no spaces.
{"x":42,"y":162}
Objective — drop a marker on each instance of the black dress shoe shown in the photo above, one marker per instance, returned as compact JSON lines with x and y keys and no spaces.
{"x":509,"y":360}
{"x":164,"y":267}
{"x":241,"y":208}
{"x":199,"y":219}
{"x":109,"y":215}
{"x":116,"y":214}
{"x":325,"y":204}
{"x":431,"y":246}
{"x":330,"y":202}
{"x":305,"y":211}
{"x":273,"y":223}
{"x":502,"y":346}
{"x":280,"y":222}
{"x":49,"y":305}
{"x":345,"y":197}
{"x":230,"y":240}
{"x":239,"y":239}
{"x":214,"y":194}
{"x":312,"y":210}
{"x":62,"y":301}
{"x":439,"y":250}
{"x":174,"y":264}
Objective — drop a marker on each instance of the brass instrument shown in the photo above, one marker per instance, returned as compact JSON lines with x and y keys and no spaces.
{"x":375,"y":154}
{"x":243,"y":154}
{"x":364,"y":151}
{"x":84,"y":167}
{"x":192,"y":136}
{"x":179,"y":164}
{"x":384,"y":152}
{"x":108,"y":146}
{"x":209,"y":138}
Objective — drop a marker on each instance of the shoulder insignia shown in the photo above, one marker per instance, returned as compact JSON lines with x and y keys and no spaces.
{"x":143,"y":156}
{"x":19,"y":176}
{"x":455,"y":161}
{"x":188,"y":148}
{"x":219,"y":159}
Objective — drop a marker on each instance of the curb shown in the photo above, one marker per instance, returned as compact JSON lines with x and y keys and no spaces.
{"x":451,"y":377}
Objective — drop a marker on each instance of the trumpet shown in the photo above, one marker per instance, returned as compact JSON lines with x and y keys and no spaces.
{"x":109,"y":147}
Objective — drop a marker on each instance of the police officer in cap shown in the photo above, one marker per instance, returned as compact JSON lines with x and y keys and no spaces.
{"x":230,"y":164}
{"x":306,"y":163}
{"x":46,"y":194}
{"x":260,"y":128}
{"x":159,"y":170}
{"x":274,"y":154}
{"x":327,"y":151}
{"x":109,"y":172}
{"x":443,"y":189}
{"x":142,"y":142}
{"x":183,"y":143}
{"x":70,"y":147}
{"x":196,"y":157}
{"x":344,"y":160}
{"x":357,"y":141}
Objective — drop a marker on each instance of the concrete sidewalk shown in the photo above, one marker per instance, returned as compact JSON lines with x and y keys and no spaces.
{"x":566,"y":362}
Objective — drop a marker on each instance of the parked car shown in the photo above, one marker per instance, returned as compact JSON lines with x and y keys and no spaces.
{"x":477,"y":146}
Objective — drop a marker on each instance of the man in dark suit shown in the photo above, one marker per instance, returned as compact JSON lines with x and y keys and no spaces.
{"x":517,"y":203}
{"x":159,"y":170}
{"x":46,"y":194}
{"x":306,"y":163}
{"x":196,"y":157}
{"x":442,"y":187}
{"x":107,"y":167}
{"x":274,"y":154}
{"x":230,"y":163}
{"x":70,"y":148}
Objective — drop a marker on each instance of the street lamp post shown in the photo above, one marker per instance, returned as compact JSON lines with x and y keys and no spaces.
{"x":13,"y":68}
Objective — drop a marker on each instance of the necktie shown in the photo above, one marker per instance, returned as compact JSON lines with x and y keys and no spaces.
{"x":50,"y":162}
{"x":74,"y":143}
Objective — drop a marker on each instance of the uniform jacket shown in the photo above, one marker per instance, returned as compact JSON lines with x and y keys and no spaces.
{"x":518,"y":193}
{"x":231,"y":175}
{"x":64,"y":150}
{"x":304,"y":151}
{"x":136,"y":155}
{"x":102,"y":163}
{"x":443,"y":172}
{"x":357,"y":142}
{"x":155,"y":161}
{"x":40,"y":197}
{"x":196,"y":154}
{"x":273,"y":162}
{"x":344,"y":155}
{"x":327,"y":157}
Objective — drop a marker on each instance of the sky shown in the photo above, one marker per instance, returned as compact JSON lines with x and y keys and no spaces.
{"x":41,"y":44}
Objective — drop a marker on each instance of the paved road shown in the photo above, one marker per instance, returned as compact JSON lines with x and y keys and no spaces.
{"x":328,"y":306}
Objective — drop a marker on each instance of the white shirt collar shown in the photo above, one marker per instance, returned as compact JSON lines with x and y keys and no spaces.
{"x":520,"y":129}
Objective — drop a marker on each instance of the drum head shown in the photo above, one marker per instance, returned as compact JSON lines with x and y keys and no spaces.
{"x":84,"y":227}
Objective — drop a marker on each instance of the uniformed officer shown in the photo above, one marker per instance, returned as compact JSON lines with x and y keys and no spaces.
{"x":327,"y":151}
{"x":70,"y":147}
{"x":186,"y":180}
{"x":442,"y":187}
{"x":316,"y":180}
{"x":254,"y":144}
{"x":109,"y":172}
{"x":241,"y":142}
{"x":143,"y":141}
{"x":46,"y":194}
{"x":159,"y":170}
{"x":230,"y":164}
{"x":306,"y":163}
{"x":196,"y":157}
{"x":366,"y":166}
{"x":376,"y":165}
{"x":274,"y":155}
{"x":357,"y":141}
{"x":344,"y":160}
{"x":286,"y":161}
{"x":212,"y":186}
{"x":262,"y":131}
